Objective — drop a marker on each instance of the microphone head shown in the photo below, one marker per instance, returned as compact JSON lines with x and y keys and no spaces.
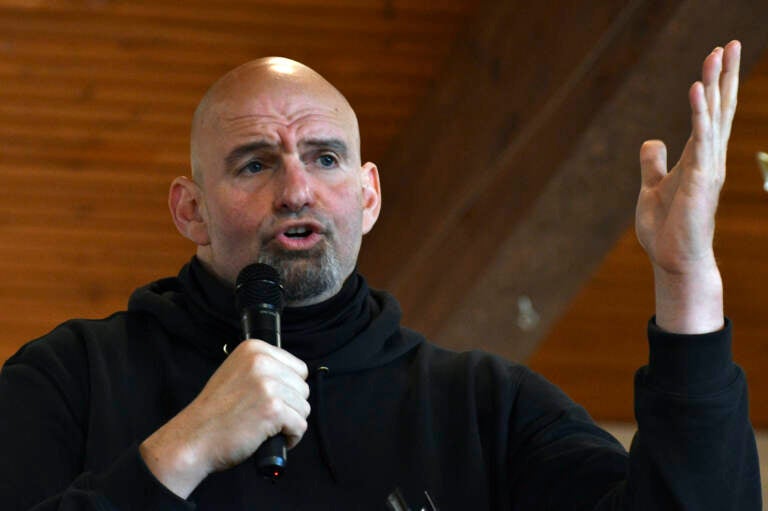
{"x":259,"y":285}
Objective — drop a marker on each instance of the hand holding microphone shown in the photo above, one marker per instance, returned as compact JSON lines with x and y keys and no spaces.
{"x":259,"y":295}
{"x":257,"y":393}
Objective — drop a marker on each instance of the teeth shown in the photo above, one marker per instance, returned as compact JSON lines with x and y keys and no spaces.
{"x":298,"y":232}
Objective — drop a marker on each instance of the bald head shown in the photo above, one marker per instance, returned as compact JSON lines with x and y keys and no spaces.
{"x":271,"y":87}
{"x":277,"y":179}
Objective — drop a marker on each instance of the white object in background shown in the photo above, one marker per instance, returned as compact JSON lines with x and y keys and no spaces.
{"x":762,"y":161}
{"x":527,"y":317}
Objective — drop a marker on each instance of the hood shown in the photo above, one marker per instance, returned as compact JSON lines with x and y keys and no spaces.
{"x":357,"y":329}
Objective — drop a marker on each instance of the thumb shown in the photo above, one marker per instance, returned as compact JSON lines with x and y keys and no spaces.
{"x":653,"y":162}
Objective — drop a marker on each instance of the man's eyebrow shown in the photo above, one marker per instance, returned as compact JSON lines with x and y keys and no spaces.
{"x":237,"y":154}
{"x":334,"y":144}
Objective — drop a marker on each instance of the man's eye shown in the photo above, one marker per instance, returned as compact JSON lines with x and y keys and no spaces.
{"x":253,"y":167}
{"x":327,"y":161}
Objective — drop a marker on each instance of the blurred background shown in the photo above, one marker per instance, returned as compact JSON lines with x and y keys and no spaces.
{"x":506,"y":134}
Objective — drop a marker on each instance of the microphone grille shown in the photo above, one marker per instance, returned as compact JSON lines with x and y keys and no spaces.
{"x":259,"y":285}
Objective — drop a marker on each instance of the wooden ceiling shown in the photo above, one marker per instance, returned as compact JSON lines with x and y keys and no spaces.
{"x":504,"y":132}
{"x":95,"y":104}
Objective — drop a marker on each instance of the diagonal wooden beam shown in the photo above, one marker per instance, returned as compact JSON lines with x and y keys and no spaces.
{"x":519,"y":90}
{"x":589,"y":201}
{"x":520,"y":172}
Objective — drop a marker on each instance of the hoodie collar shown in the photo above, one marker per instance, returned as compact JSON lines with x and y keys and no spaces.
{"x":310,"y":333}
{"x":200,"y":309}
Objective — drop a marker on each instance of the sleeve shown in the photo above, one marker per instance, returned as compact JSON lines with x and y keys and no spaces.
{"x":695,"y":447}
{"x":694,"y":450}
{"x":43,"y":426}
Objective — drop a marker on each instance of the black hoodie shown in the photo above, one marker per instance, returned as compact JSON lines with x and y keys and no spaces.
{"x":389,"y":411}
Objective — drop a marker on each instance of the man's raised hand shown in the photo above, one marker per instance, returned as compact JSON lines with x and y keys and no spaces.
{"x":675,"y":220}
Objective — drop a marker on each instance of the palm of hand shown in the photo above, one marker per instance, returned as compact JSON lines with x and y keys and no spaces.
{"x":675,"y":218}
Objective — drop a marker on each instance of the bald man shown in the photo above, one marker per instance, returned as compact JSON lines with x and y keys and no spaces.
{"x":152,"y":409}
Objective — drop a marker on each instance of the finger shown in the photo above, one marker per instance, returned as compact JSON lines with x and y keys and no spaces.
{"x":710,"y":75}
{"x":284,"y":419}
{"x":729,"y":81}
{"x":282,"y":409}
{"x":258,"y":346}
{"x":701,"y":122}
{"x":653,"y":162}
{"x":294,"y":427}
{"x":296,"y":399}
{"x":277,"y":380}
{"x":293,"y":433}
{"x":281,"y":396}
{"x":295,"y":384}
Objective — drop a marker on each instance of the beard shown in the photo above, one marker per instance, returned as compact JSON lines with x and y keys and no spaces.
{"x":308,"y":276}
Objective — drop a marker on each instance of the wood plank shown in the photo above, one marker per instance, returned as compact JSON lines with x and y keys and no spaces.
{"x":489,"y":140}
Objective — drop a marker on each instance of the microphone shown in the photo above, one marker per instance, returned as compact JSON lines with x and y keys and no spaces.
{"x":259,"y":298}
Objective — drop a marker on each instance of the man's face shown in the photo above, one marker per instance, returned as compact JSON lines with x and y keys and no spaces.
{"x":282,"y":184}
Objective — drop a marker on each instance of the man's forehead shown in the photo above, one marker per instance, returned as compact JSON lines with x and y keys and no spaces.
{"x":279,"y":104}
{"x":266,"y":99}
{"x":283,"y":127}
{"x":279,"y":109}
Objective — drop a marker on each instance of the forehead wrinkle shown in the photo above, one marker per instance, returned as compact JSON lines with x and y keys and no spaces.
{"x":306,"y":115}
{"x":287,"y":114}
{"x":263,"y":127}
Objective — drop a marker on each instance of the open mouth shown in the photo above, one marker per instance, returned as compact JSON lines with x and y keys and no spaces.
{"x":298,"y":232}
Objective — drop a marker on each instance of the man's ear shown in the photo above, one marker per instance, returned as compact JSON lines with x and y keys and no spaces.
{"x":188,"y":210}
{"x":371,"y":195}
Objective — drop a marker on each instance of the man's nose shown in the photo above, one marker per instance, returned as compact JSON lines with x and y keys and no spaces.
{"x":295,"y":190}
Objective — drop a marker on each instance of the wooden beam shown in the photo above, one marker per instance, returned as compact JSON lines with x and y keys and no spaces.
{"x":518,"y":92}
{"x":590,"y":199}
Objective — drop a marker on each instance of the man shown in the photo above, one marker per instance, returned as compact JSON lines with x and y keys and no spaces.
{"x":151,"y":409}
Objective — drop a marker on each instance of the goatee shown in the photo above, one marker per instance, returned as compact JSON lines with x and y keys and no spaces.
{"x":307,"y":274}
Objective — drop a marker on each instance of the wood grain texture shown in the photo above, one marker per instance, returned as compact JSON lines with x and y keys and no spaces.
{"x":521,"y":87}
{"x":95,"y":104}
{"x":590,"y":198}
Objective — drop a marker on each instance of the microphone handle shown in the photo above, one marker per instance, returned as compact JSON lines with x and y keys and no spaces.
{"x":264,"y":324}
{"x":271,"y":457}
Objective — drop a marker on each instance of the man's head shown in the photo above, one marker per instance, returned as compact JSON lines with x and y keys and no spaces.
{"x":277,"y":178}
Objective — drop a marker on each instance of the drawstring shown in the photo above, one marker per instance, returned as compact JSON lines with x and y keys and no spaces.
{"x":325,"y":452}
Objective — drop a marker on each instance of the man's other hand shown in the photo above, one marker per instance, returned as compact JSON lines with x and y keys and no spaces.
{"x":258,"y":392}
{"x":675,"y":220}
